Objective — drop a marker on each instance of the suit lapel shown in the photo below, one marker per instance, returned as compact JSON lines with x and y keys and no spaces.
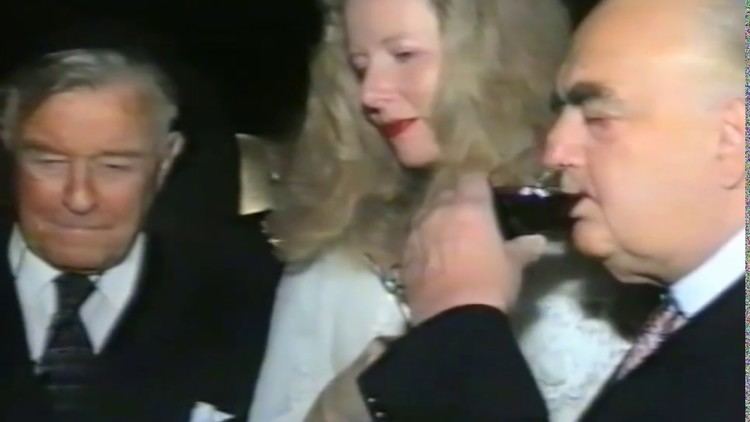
{"x":139,"y":353}
{"x":134,"y":307}
{"x":22,"y":397}
{"x":705,"y":341}
{"x":13,"y":347}
{"x":155,"y":309}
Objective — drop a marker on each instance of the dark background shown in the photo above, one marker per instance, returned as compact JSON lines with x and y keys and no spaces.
{"x":251,"y":54}
{"x":240,"y":66}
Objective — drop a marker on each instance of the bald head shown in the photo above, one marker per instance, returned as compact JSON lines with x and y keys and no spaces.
{"x":703,"y":35}
{"x":652,"y":134}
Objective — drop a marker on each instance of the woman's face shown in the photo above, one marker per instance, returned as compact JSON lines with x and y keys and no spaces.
{"x":394,"y":49}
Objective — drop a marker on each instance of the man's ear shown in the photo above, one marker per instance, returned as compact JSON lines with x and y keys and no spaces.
{"x":731,"y":148}
{"x":174,"y":144}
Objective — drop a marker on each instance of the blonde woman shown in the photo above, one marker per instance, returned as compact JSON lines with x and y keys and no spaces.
{"x":404,"y":95}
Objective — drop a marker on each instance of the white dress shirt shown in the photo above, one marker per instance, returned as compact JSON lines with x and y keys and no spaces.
{"x":699,"y":288}
{"x":38,"y":298}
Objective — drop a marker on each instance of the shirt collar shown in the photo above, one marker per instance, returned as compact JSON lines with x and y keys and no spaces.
{"x":115,"y":285}
{"x":700,"y":287}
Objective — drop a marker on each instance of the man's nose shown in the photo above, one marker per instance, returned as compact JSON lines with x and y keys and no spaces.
{"x":563,"y":144}
{"x":79,"y":194}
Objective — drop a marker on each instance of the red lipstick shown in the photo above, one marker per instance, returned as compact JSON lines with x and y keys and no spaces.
{"x":395,"y":128}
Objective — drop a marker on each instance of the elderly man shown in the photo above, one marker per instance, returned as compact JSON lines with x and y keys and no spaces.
{"x":651,"y":134}
{"x":98,"y":319}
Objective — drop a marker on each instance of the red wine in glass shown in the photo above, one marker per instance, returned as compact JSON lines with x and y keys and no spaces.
{"x":532,"y":209}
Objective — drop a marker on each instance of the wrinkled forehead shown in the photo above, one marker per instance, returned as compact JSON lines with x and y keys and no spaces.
{"x":115,"y":115}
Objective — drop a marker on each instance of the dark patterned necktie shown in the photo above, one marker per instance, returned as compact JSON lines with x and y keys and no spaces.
{"x":66,"y":364}
{"x":664,"y":321}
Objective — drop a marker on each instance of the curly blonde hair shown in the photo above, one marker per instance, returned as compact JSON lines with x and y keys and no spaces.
{"x":342,"y":185}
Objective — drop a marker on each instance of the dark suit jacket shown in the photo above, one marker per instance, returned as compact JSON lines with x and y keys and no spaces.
{"x":464,"y":365}
{"x":195,"y":330}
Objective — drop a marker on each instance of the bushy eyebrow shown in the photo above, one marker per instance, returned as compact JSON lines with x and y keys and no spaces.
{"x":580,"y":94}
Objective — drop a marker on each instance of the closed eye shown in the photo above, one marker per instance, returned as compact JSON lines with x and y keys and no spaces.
{"x":596,"y":115}
{"x":596,"y":119}
{"x":358,"y":63}
{"x":121,"y":165}
{"x":599,"y":116}
{"x":600,"y":126}
{"x":47,"y":160}
{"x":403,"y":56}
{"x":118,"y":166}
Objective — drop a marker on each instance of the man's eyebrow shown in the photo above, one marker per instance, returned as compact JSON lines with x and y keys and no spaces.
{"x":29,"y":145}
{"x":580,"y":94}
{"x":123,"y":154}
{"x":32,"y":145}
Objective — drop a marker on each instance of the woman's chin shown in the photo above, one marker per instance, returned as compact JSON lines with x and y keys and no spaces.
{"x":416,"y":159}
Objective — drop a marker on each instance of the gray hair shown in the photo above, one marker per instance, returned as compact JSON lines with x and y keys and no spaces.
{"x":724,"y":21}
{"x":69,"y":70}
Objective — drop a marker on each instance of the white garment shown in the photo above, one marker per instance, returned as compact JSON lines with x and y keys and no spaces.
{"x":206,"y":412}
{"x":326,"y":313}
{"x":38,"y":299}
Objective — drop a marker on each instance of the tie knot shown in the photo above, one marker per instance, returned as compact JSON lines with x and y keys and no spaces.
{"x":72,"y":291}
{"x":665,"y":320}
{"x":670,"y":306}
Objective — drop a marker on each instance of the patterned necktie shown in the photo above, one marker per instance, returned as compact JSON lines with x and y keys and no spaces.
{"x":664,"y":321}
{"x":65,"y":366}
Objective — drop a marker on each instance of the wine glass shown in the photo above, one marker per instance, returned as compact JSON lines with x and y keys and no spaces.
{"x":541,"y":207}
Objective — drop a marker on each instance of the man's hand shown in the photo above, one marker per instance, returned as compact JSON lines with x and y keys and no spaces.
{"x":455,"y":254}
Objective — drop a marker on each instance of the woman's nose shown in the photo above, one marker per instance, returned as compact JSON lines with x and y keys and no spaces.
{"x":376,"y":88}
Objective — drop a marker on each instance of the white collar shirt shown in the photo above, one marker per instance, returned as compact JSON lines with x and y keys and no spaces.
{"x":38,"y":300}
{"x":703,"y":285}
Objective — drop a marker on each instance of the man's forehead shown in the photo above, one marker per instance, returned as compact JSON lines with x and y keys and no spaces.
{"x":114,"y":106}
{"x":114,"y":96}
{"x":625,"y":67}
{"x":586,"y":75}
{"x":605,"y":51}
{"x":78,"y":138}
{"x":637,"y":28}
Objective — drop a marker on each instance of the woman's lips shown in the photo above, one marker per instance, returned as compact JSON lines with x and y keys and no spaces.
{"x":395,"y":128}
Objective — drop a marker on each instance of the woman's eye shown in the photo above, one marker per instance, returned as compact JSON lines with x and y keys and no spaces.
{"x":358,"y":65}
{"x":403,"y":56}
{"x":359,"y":71}
{"x":595,"y":120}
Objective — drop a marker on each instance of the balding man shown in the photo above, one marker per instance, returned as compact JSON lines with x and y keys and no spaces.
{"x":651,"y":134}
